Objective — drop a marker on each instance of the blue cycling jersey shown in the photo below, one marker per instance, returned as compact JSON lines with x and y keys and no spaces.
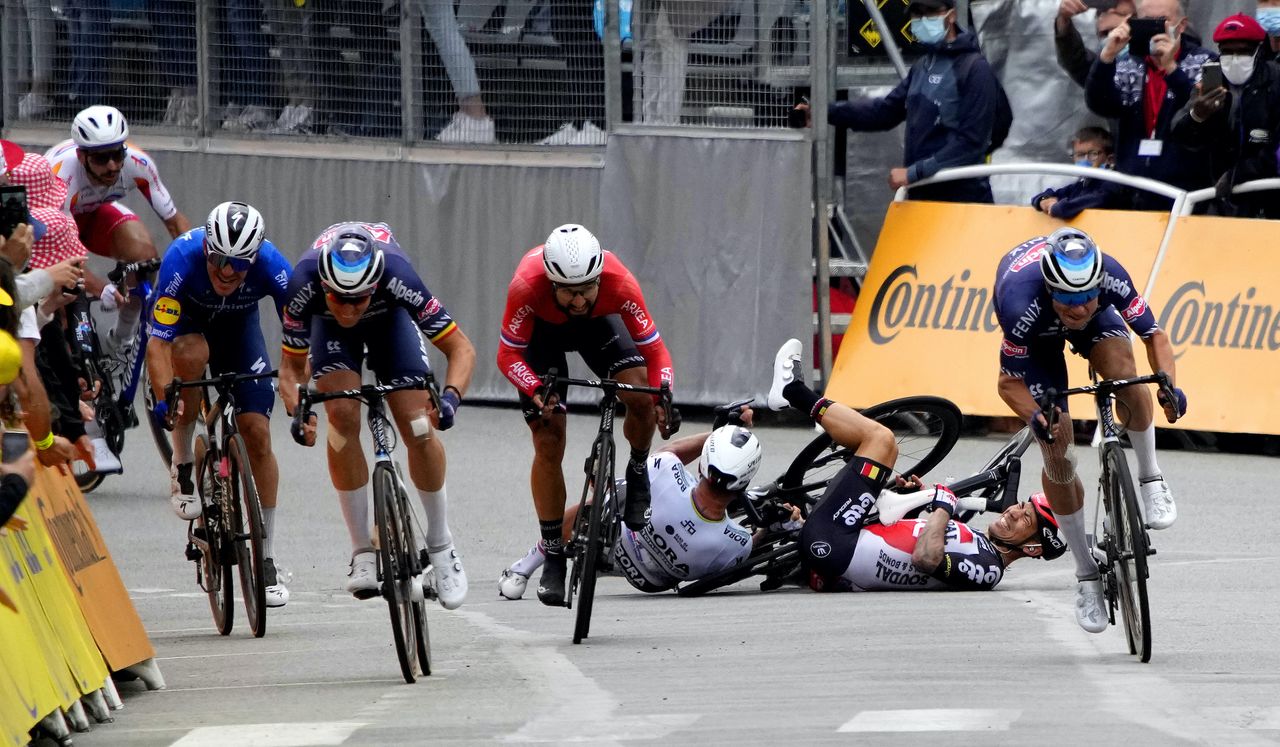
{"x":185,"y":296}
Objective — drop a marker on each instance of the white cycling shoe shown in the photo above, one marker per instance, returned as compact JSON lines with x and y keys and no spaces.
{"x":1158,"y":505}
{"x":1091,"y":611}
{"x":511,"y":585}
{"x":362,"y":579}
{"x":277,"y":594}
{"x":447,"y":577}
{"x":182,"y":491}
{"x":105,"y":461}
{"x":786,"y":369}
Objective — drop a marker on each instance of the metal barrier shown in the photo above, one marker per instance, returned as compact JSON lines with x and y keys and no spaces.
{"x":1208,"y":193}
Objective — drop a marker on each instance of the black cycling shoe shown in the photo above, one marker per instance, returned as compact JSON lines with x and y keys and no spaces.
{"x":551,"y":583}
{"x":636,"y":513}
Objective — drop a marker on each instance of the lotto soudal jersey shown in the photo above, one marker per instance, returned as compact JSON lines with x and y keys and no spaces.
{"x":84,"y":195}
{"x":679,"y":543}
{"x":882,"y":560}
{"x":400,"y":287}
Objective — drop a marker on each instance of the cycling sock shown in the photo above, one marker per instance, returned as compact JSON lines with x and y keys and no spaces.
{"x":800,"y":396}
{"x":552,"y":541}
{"x":1072,"y":525}
{"x":638,"y":458}
{"x":182,"y":442}
{"x":436,"y":504}
{"x":127,"y":321}
{"x":529,"y":563}
{"x":1144,"y":448}
{"x":268,"y":531}
{"x":355,"y":511}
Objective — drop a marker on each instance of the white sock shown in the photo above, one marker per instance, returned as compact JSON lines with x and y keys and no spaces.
{"x":182,"y":442}
{"x":127,"y":320}
{"x":533,"y":561}
{"x":355,"y":511}
{"x":1144,"y":448}
{"x":268,"y":532}
{"x":436,"y":504}
{"x":1073,"y":527}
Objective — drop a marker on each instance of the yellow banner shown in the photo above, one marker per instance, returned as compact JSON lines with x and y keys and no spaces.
{"x":924,"y":323}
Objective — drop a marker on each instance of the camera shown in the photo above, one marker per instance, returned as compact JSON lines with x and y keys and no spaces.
{"x":13,"y":444}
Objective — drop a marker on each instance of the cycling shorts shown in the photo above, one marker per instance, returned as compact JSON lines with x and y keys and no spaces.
{"x":96,"y":227}
{"x":603,"y":342}
{"x":1046,"y":366}
{"x":236,"y":346}
{"x":397,"y":353}
{"x":830,"y":534}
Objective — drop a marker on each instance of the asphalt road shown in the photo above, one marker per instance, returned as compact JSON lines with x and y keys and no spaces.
{"x":737,"y":666}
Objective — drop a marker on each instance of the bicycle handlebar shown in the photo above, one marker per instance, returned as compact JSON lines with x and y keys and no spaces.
{"x":671,"y":415}
{"x":1102,"y":388}
{"x":123,"y":268}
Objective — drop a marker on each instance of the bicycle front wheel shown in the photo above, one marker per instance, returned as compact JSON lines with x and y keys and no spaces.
{"x":215,"y":564}
{"x":393,"y":570}
{"x":247,"y":533}
{"x":589,"y":547}
{"x":1130,"y":551}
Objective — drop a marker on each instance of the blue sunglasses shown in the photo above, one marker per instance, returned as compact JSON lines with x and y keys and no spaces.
{"x":1076,"y":299}
{"x":220,"y":261}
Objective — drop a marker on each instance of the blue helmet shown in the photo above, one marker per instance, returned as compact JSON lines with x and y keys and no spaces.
{"x":1072,"y":266}
{"x":351,"y":262}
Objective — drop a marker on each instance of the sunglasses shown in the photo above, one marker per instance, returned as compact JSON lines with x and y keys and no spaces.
{"x":573,"y":291}
{"x":104,"y":157}
{"x":221,"y":262}
{"x":1076,"y":299}
{"x":347,"y":300}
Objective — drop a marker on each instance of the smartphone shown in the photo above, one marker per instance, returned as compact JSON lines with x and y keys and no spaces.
{"x":1100,"y":5}
{"x":13,"y":445}
{"x":13,"y":209}
{"x":1210,"y":76}
{"x":1140,"y":32}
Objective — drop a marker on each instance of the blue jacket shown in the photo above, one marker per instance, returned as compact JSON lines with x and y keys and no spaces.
{"x":948,"y":117}
{"x":1083,"y":194}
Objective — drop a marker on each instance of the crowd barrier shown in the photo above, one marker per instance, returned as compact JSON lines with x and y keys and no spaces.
{"x":66,"y":621}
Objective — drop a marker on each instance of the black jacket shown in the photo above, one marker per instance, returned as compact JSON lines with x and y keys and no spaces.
{"x":13,"y":489}
{"x":1083,"y":194}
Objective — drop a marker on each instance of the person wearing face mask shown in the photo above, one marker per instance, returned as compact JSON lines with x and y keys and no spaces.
{"x":1091,"y":148}
{"x":1143,"y":94}
{"x":949,"y":101}
{"x":1073,"y":56}
{"x":1237,"y":125}
{"x":1268,"y":16}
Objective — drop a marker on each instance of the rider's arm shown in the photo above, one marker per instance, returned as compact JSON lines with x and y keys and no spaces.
{"x":293,"y":371}
{"x":518,"y":319}
{"x":1160,"y":354}
{"x":931,"y":546}
{"x":177,"y":225}
{"x":279,"y":271}
{"x":628,"y":302}
{"x":159,"y":365}
{"x":461,"y":355}
{"x":687,"y":448}
{"x":142,"y":171}
{"x":1014,"y":392}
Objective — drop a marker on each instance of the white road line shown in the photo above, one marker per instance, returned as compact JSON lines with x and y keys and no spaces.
{"x":271,"y":735}
{"x":573,"y":698}
{"x":206,"y":628}
{"x":266,"y":685}
{"x":344,"y":647}
{"x":1244,"y":717}
{"x":932,"y":719}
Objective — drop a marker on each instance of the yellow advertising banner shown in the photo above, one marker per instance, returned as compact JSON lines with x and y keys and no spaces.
{"x":924,"y":323}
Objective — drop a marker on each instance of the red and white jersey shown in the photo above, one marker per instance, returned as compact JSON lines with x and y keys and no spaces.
{"x":85,"y":195}
{"x":531,"y":297}
{"x":882,"y":560}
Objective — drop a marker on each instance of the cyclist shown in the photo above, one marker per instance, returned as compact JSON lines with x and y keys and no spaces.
{"x":842,"y":551}
{"x":1062,"y":287}
{"x":99,"y":167}
{"x":205,"y":313}
{"x":688,"y":534}
{"x":567,"y":295}
{"x":356,"y":291}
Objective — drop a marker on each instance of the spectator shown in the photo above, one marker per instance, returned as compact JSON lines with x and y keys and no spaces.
{"x":244,"y":74}
{"x":1237,"y":126}
{"x":42,"y":46}
{"x":1091,"y":148}
{"x":1073,"y":56}
{"x":663,"y":46}
{"x":89,"y":39}
{"x":582,"y":95}
{"x":293,"y":24}
{"x":471,"y":123}
{"x":1143,"y":95}
{"x":36,"y":284}
{"x":174,"y":24}
{"x":948,"y":100}
{"x":1269,"y":19}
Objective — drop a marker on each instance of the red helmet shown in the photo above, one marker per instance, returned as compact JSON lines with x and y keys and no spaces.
{"x":1052,"y":545}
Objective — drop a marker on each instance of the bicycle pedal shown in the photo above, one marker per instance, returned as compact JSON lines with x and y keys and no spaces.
{"x":363,"y":594}
{"x":194,"y":554}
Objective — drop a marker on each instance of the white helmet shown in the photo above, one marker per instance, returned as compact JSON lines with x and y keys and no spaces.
{"x":572,"y":256}
{"x":234,"y":230}
{"x":730,"y":457}
{"x":351,"y":263}
{"x":1072,"y":265}
{"x":99,"y":127}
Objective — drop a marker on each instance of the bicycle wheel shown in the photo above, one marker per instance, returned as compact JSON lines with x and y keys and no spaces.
{"x":1130,"y":551}
{"x":589,"y":548}
{"x":772,"y":556}
{"x":158,"y":434}
{"x":216,"y":563}
{"x":393,"y":570}
{"x":418,"y":553}
{"x":86,"y":479}
{"x":926,"y":429}
{"x":246,"y":528}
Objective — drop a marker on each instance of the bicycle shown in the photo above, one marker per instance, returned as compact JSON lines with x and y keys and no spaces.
{"x":926,"y":429}
{"x":402,"y":557}
{"x":595,"y":529}
{"x":229,"y":531}
{"x":1119,"y":534}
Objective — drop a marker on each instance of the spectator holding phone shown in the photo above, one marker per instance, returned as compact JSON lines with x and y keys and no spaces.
{"x":1073,"y":56}
{"x":1144,"y":74}
{"x":1091,"y":148}
{"x":1233,"y":117}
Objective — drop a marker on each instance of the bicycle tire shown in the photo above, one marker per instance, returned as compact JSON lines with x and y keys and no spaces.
{"x":246,"y":528}
{"x":588,"y":553}
{"x":415,"y":551}
{"x":1130,"y":552}
{"x":215,"y":564}
{"x":86,"y":479}
{"x":754,"y":565}
{"x":393,"y":576}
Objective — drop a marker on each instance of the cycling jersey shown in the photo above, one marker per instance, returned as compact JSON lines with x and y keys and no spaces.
{"x":85,"y":195}
{"x":531,"y":299}
{"x":678,"y":543}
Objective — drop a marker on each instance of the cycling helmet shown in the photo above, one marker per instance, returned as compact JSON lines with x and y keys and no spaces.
{"x":572,"y":256}
{"x":1072,"y":266}
{"x":730,"y":457}
{"x":1052,"y":545}
{"x":351,"y":262}
{"x":234,"y":230}
{"x":99,"y":127}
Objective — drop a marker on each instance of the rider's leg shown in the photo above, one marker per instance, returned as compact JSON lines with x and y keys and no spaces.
{"x":637,"y":427}
{"x":130,"y":242}
{"x":546,"y":478}
{"x":427,"y":462}
{"x":1113,"y":359}
{"x":348,"y":469}
{"x":255,"y":428}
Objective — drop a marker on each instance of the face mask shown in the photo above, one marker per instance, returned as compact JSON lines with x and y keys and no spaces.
{"x":1123,"y":54}
{"x":929,"y":30}
{"x":1237,"y":68}
{"x":1084,"y":163}
{"x":1269,"y":19}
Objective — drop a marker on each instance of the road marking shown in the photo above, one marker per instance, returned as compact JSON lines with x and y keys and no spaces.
{"x":345,"y":647}
{"x":573,"y":697}
{"x":147,"y":590}
{"x":271,"y":735}
{"x":932,"y":719}
{"x":323,"y":683}
{"x":206,"y":628}
{"x":1244,"y":717}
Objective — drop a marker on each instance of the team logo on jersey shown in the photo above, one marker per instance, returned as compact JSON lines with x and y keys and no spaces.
{"x":167,"y":310}
{"x":1013,"y":351}
{"x":820,"y":549}
{"x":1026,"y":260}
{"x":1136,"y":307}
